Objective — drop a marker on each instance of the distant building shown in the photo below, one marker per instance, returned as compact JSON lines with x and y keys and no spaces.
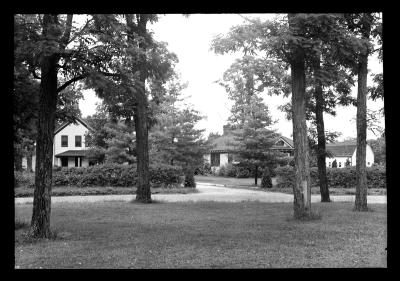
{"x":343,"y":151}
{"x":69,"y":146}
{"x":223,"y":150}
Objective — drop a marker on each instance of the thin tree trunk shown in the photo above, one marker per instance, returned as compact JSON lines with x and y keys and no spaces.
{"x":17,"y":161}
{"x":40,"y":224}
{"x":256,"y":175}
{"x":301,"y":188}
{"x":29,"y":161}
{"x":361,"y":177}
{"x":321,"y":155}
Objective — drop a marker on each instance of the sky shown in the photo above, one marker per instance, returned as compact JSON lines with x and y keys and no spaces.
{"x":190,"y":39}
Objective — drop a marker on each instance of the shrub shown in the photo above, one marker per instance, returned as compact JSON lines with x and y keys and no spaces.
{"x":266,"y":181}
{"x":24,"y":178}
{"x":337,"y":177}
{"x":117,"y":175}
{"x":189,"y":179}
{"x":205,"y":169}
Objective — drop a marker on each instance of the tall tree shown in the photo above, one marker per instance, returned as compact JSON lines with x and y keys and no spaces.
{"x":138,"y":61}
{"x":363,"y":25}
{"x":249,"y":117}
{"x":51,"y":45}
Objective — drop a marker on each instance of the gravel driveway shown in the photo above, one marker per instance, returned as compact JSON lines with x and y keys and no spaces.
{"x":208,"y":192}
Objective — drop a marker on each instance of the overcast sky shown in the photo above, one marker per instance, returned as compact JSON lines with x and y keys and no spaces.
{"x":190,"y":39}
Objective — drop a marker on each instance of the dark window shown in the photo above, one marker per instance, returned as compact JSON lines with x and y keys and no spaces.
{"x":280,"y":143}
{"x":230,"y":157}
{"x":215,"y":159}
{"x":64,"y":162}
{"x":78,"y":141}
{"x":64,"y":141}
{"x":86,"y":141}
{"x":340,"y":164}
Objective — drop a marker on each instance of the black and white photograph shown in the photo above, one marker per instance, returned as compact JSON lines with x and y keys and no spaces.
{"x":199,"y":141}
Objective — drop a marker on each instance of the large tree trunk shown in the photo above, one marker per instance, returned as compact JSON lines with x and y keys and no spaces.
{"x":143,"y":193}
{"x":301,"y":188}
{"x":361,"y":177}
{"x":321,"y":155}
{"x":40,"y":224}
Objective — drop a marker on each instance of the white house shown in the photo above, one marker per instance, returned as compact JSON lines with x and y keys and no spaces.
{"x":343,"y":151}
{"x":69,"y":147}
{"x":223,"y":151}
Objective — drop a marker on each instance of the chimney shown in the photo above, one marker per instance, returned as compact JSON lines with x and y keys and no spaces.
{"x":226,"y":129}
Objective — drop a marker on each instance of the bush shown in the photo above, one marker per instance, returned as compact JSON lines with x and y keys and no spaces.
{"x":24,"y":178}
{"x":266,"y":181}
{"x":189,"y":179}
{"x":107,"y":175}
{"x":337,"y":177}
{"x":205,"y":169}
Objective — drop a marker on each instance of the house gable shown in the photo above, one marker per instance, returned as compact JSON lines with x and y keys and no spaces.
{"x":67,"y":123}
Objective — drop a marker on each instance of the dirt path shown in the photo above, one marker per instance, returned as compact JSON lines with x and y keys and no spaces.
{"x":207,"y":192}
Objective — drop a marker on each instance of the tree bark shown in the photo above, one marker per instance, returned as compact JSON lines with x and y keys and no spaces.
{"x":301,"y":188}
{"x":143,"y":193}
{"x":361,"y":176}
{"x":321,"y":155}
{"x":40,"y":223}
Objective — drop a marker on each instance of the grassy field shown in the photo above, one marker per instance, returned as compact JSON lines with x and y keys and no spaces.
{"x":203,"y":235}
{"x":248,"y":183}
{"x":98,"y":190}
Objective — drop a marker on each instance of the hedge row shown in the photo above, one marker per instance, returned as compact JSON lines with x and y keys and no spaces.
{"x":337,"y":177}
{"x":236,"y":171}
{"x":107,"y":175}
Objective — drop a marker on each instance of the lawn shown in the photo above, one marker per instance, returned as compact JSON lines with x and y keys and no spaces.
{"x":99,"y":190}
{"x":204,"y":235}
{"x":248,"y":183}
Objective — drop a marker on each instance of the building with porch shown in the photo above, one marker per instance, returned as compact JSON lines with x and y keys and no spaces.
{"x":223,"y":149}
{"x":69,"y":146}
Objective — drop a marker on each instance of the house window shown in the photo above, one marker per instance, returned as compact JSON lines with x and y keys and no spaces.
{"x":64,"y":161}
{"x":78,"y":141}
{"x":64,"y":141}
{"x":368,"y":163}
{"x":340,"y":164}
{"x":86,"y":141}
{"x":215,"y":159}
{"x":329,"y":164}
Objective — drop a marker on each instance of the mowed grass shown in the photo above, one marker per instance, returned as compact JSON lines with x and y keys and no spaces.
{"x":204,"y":235}
{"x":248,"y":183}
{"x":100,"y":190}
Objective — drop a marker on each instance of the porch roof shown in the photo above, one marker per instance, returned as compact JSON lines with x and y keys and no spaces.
{"x":71,"y":153}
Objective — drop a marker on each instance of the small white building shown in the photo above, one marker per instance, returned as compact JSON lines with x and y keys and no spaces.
{"x":343,"y":151}
{"x":69,"y":146}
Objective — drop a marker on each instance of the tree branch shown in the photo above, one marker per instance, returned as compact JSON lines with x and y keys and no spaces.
{"x":67,"y":32}
{"x":66,"y":84}
{"x":80,"y":31}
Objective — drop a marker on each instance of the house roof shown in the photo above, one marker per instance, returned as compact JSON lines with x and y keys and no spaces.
{"x":66,"y":123}
{"x":226,"y":143}
{"x":341,"y":149}
{"x":71,"y":153}
{"x":223,"y":143}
